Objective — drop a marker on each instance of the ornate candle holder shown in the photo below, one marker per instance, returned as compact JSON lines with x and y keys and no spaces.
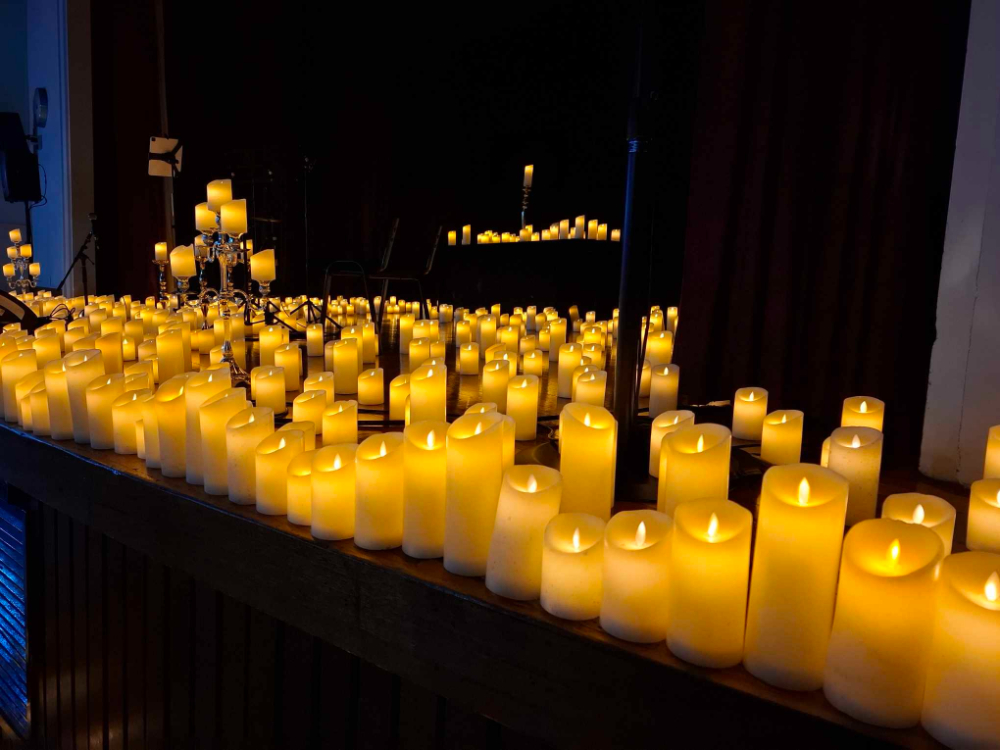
{"x":228,"y":252}
{"x":526,"y":193}
{"x":162,"y":272}
{"x":23,"y":281}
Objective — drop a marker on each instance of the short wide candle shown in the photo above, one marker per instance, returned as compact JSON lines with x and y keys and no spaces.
{"x":572,"y":563}
{"x":876,"y":664}
{"x":935,"y":513}
{"x":781,"y":442}
{"x":588,"y":445}
{"x":694,"y":464}
{"x":863,"y":411}
{"x":856,"y":454}
{"x":378,"y":513}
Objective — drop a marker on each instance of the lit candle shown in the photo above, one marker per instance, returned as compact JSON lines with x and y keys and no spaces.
{"x":636,"y":575}
{"x":564,"y":229}
{"x":233,"y":217}
{"x":405,"y":331}
{"x":425,"y":472}
{"x":244,"y":432}
{"x":663,"y":386}
{"x":991,"y":466}
{"x":171,"y":421}
{"x":378,"y":514}
{"x":487,"y":333}
{"x":645,"y":378}
{"x":271,"y":337}
{"x":309,"y":406}
{"x":590,"y":388}
{"x":47,"y":348}
{"x":289,"y":358}
{"x":529,"y":175}
{"x":15,"y":234}
{"x":592,"y":229}
{"x":572,"y":562}
{"x":709,"y":578}
{"x":182,"y":264}
{"x":579,"y":228}
{"x":856,"y":454}
{"x":962,"y":692}
{"x":371,"y":388}
{"x":81,"y":368}
{"x":533,"y":363}
{"x":320,"y":381}
{"x":39,"y":405}
{"x":200,"y":387}
{"x":522,"y":405}
{"x":557,"y":337}
{"x":345,"y":365}
{"x":529,"y":499}
{"x":984,"y":516}
{"x":616,"y":235}
{"x":147,"y":435}
{"x":172,"y":357}
{"x":933,"y":512}
{"x":204,"y":221}
{"x":660,"y":348}
{"x":749,"y":410}
{"x":475,"y":473}
{"x":15,"y":366}
{"x":100,"y":395}
{"x":781,"y":439}
{"x":496,"y":378}
{"x":333,"y":492}
{"x":213,"y":416}
{"x":160,"y":249}
{"x":694,"y":463}
{"x":876,"y":663}
{"x":340,"y":423}
{"x":308,"y":431}
{"x":273,"y":455}
{"x":126,"y":410}
{"x":569,"y":360}
{"x":22,"y":403}
{"x":663,"y":425}
{"x":863,"y":411}
{"x":602,"y":232}
{"x":467,"y":234}
{"x":299,"y":489}
{"x":452,"y":237}
{"x":270,"y":389}
{"x":219,"y":193}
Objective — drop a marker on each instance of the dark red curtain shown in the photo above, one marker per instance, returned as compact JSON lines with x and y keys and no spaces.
{"x":820,"y":177}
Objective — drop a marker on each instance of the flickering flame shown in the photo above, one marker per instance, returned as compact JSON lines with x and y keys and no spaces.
{"x":430,"y":439}
{"x":532,"y":483}
{"x":998,"y":498}
{"x":479,"y":428}
{"x":893,"y":553}
{"x":640,"y":534}
{"x":856,"y":442}
{"x":713,"y":526}
{"x":864,"y":407}
{"x":524,"y":384}
{"x":784,"y":418}
{"x":336,"y":463}
{"x":804,"y":492}
{"x":180,"y":391}
{"x":701,"y":444}
{"x":576,"y":544}
{"x":381,"y":450}
{"x":252,"y":418}
{"x":992,"y":587}
{"x":210,"y":376}
{"x":586,"y":419}
{"x":281,"y":444}
{"x":677,"y":419}
{"x":750,"y":397}
{"x":918,"y":514}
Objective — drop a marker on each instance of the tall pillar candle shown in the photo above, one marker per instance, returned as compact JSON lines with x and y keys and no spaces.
{"x":101,"y":394}
{"x":399,"y":391}
{"x":150,"y":438}
{"x":126,"y":410}
{"x":171,"y":421}
{"x":984,"y":516}
{"x":572,"y":563}
{"x":663,"y":386}
{"x":170,"y":354}
{"x":200,"y":387}
{"x":345,"y":365}
{"x":468,"y":359}
{"x":863,"y":411}
{"x":475,"y":474}
{"x":213,"y":416}
{"x":569,"y":360}
{"x":314,"y":340}
{"x":333,"y":491}
{"x":645,"y":379}
{"x":405,"y":331}
{"x":557,"y":337}
{"x":495,"y":379}
{"x":298,"y":491}
{"x":663,"y":425}
{"x":425,"y":475}
{"x":378,"y":513}
{"x":522,"y":405}
{"x":81,"y":368}
{"x":636,"y":575}
{"x":270,"y":389}
{"x":588,"y":446}
{"x":781,"y":439}
{"x":271,"y":337}
{"x":660,"y":348}
{"x":273,"y":455}
{"x":856,"y":454}
{"x":14,"y":367}
{"x":749,"y":410}
{"x":244,"y":432}
{"x":991,"y":464}
{"x":371,"y":387}
{"x":289,"y":358}
{"x":487,"y":333}
{"x":694,"y":463}
{"x":709,"y":580}
{"x":110,"y":346}
{"x":22,"y":388}
{"x":309,"y":406}
{"x":930,"y":511}
{"x":39,"y":404}
{"x":428,"y":393}
{"x":876,"y":664}
{"x":340,"y":423}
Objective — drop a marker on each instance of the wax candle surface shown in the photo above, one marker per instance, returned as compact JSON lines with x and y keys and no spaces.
{"x":428,"y":393}
{"x":269,"y":384}
{"x":244,"y":432}
{"x":496,"y":378}
{"x":876,"y":664}
{"x":14,"y":367}
{"x":856,"y":454}
{"x":709,"y":578}
{"x":935,"y":513}
{"x":274,"y":454}
{"x":529,"y":499}
{"x":522,"y":405}
{"x":171,"y":420}
{"x":694,"y":464}
{"x":309,"y":406}
{"x":289,"y":358}
{"x":569,"y":360}
{"x":126,"y":410}
{"x":863,"y":411}
{"x":961,"y":705}
{"x":660,"y":348}
{"x":572,"y":562}
{"x":663,"y":387}
{"x":200,"y":387}
{"x":636,"y":575}
{"x":299,"y":489}
{"x":101,"y":394}
{"x":378,"y":515}
{"x":81,"y":367}
{"x":333,"y":491}
{"x":425,"y":475}
{"x":984,"y":516}
{"x":781,"y":441}
{"x":663,"y":425}
{"x":800,"y":527}
{"x":749,"y":409}
{"x":213,"y":416}
{"x":340,"y":423}
{"x":588,"y":444}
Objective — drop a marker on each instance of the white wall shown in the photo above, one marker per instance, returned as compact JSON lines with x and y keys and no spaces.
{"x":963,"y":394}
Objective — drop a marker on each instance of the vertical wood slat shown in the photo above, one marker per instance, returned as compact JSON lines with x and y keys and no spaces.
{"x":296,"y":683}
{"x":35,"y":599}
{"x":260,"y":658}
{"x":96,"y":665}
{"x":80,"y":635}
{"x":135,"y":637}
{"x":233,"y":672}
{"x":204,"y":705}
{"x":64,"y":579}
{"x":337,"y":697}
{"x":179,"y":617}
{"x":48,"y":519}
{"x":378,"y":695}
{"x":155,"y":647}
{"x":114,"y":644}
{"x":418,"y":717}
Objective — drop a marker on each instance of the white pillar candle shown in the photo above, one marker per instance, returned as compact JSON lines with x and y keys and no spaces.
{"x":660,"y":348}
{"x":645,"y":379}
{"x":709,"y":579}
{"x":269,"y":386}
{"x":935,"y":513}
{"x":399,"y":391}
{"x":876,"y":663}
{"x":636,"y":575}
{"x":333,"y":491}
{"x":425,"y":474}
{"x":213,"y":416}
{"x":200,"y":387}
{"x":428,"y":393}
{"x":15,"y":366}
{"x":320,"y":381}
{"x":39,"y":404}
{"x":557,"y":337}
{"x":495,"y":379}
{"x":378,"y":514}
{"x":22,"y":388}
{"x":100,"y":395}
{"x":856,"y":454}
{"x":308,"y":431}
{"x":749,"y":410}
{"x":340,"y":423}
{"x":314,"y":340}
{"x":150,"y":438}
{"x":475,"y":473}
{"x":863,"y":411}
{"x":781,"y":439}
{"x":81,"y":368}
{"x":244,"y":432}
{"x":663,"y":425}
{"x":418,"y":351}
{"x":309,"y":406}
{"x":273,"y":454}
{"x":298,"y":491}
{"x":171,"y":357}
{"x":171,"y":421}
{"x":694,"y":463}
{"x":962,"y":692}
{"x":468,"y":359}
{"x":47,"y":348}
{"x":591,"y":388}
{"x":569,"y":360}
{"x":110,"y":346}
{"x":289,"y":358}
{"x":984,"y":516}
{"x":271,"y":337}
{"x":572,"y":562}
{"x":663,"y":386}
{"x":533,"y":363}
{"x":800,"y":526}
{"x":529,"y":499}
{"x":991,"y":465}
{"x":405,"y":331}
{"x":345,"y":365}
{"x":522,"y":405}
{"x":588,"y":446}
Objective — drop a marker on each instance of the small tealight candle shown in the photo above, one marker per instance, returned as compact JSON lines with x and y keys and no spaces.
{"x":475,"y":474}
{"x":522,"y":405}
{"x":636,"y":575}
{"x":709,"y":579}
{"x":781,"y":440}
{"x":126,"y":410}
{"x":289,"y":358}
{"x":425,"y":473}
{"x":378,"y":513}
{"x":572,"y":562}
{"x":962,"y":692}
{"x":863,"y":411}
{"x":213,"y":415}
{"x":244,"y":432}
{"x":876,"y":664}
{"x":588,"y":446}
{"x":333,"y":491}
{"x":694,"y":463}
{"x":529,"y":499}
{"x":856,"y":454}
{"x":749,"y":409}
{"x":273,"y":455}
{"x":660,"y":348}
{"x":428,"y":393}
{"x":984,"y":516}
{"x":663,"y":387}
{"x":101,"y":394}
{"x":663,"y":425}
{"x":298,"y":491}
{"x":935,"y":513}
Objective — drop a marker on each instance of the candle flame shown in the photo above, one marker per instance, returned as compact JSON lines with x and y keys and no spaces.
{"x":210,"y":376}
{"x":532,"y":483}
{"x":336,"y":462}
{"x":524,"y":384}
{"x":430,"y":439}
{"x":381,"y":450}
{"x":677,"y":418}
{"x":918,"y":514}
{"x":479,"y":428}
{"x":784,"y":418}
{"x":180,"y":391}
{"x":856,"y":442}
{"x":586,"y":419}
{"x":576,"y":542}
{"x":864,"y":407}
{"x":281,"y":444}
{"x":750,"y":397}
{"x":640,"y":534}
{"x":252,"y":418}
{"x":701,"y":444}
{"x":992,"y":587}
{"x":893,"y":553}
{"x":998,"y":498}
{"x":713,"y":526}
{"x":804,"y":492}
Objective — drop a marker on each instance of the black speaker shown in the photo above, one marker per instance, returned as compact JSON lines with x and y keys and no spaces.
{"x":18,"y":166}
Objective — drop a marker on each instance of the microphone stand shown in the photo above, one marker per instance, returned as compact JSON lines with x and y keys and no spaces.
{"x":82,"y":258}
